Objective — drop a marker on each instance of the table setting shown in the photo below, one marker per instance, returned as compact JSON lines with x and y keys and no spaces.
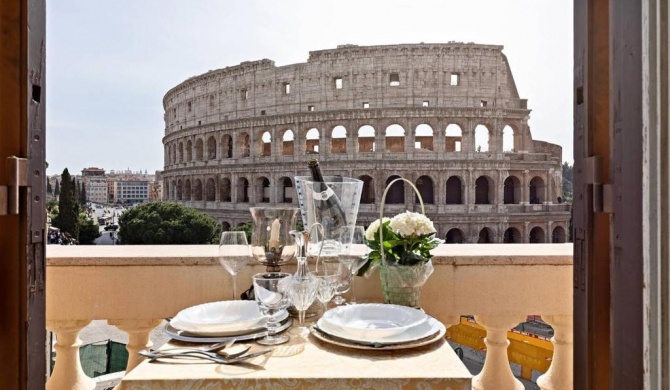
{"x":300,"y":319}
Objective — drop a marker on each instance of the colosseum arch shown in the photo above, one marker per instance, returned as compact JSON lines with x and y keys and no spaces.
{"x":453,"y":138}
{"x":187,"y":189}
{"x":366,"y":139}
{"x":508,"y":137}
{"x":512,"y":190}
{"x":454,"y":193}
{"x":485,"y":190}
{"x":210,"y":190}
{"x":394,"y":138}
{"x":226,"y":146}
{"x":454,"y":236}
{"x":558,"y":235}
{"x":312,"y":141}
{"x":211,"y":148}
{"x":536,"y":235}
{"x":425,"y":186}
{"x":424,"y":137}
{"x":536,"y":190}
{"x":225,"y":190}
{"x":265,"y":144}
{"x":285,"y":190}
{"x":197,"y":189}
{"x":243,"y":190}
{"x":199,"y":150}
{"x":244,"y":144}
{"x":288,"y":141}
{"x":180,"y":190}
{"x":181,"y":152}
{"x":368,"y":192}
{"x":512,"y":236}
{"x":482,"y":138}
{"x":338,"y":140}
{"x":262,"y":190}
{"x":486,"y":236}
{"x":395,"y":194}
{"x":189,"y":151}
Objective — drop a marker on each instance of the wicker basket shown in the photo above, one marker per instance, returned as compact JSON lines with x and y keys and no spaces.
{"x":401,"y":284}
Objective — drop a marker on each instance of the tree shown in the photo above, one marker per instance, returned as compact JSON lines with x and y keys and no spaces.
{"x":49,"y":189}
{"x":57,"y":189}
{"x":68,"y":207}
{"x":246,"y":227}
{"x":82,"y":195}
{"x":567,"y":182}
{"x":159,"y":223}
{"x":88,"y":230}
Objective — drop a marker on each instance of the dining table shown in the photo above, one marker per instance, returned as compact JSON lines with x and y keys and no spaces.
{"x":306,"y":362}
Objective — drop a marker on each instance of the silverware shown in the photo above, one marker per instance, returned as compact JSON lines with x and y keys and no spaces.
{"x":210,"y":348}
{"x":201,"y":355}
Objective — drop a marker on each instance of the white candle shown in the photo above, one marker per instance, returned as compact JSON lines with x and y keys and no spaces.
{"x":274,"y":234}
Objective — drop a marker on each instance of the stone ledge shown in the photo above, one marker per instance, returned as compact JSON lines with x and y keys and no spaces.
{"x":207,"y":255}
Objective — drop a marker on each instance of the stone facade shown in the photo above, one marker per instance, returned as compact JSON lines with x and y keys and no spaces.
{"x":448,"y":117}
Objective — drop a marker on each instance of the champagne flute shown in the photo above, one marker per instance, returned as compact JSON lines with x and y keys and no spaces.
{"x":271,"y":290}
{"x":335,"y":267}
{"x":358,"y":238}
{"x":234,"y":254}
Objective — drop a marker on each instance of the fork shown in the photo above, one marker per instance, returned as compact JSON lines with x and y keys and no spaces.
{"x":202,"y":355}
{"x":210,"y":348}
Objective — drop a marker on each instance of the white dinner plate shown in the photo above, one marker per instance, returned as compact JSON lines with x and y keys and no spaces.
{"x":425,"y":329}
{"x":440,"y":332}
{"x":374,"y":321}
{"x":218,"y":317}
{"x":181,"y":336}
{"x":281,"y":316}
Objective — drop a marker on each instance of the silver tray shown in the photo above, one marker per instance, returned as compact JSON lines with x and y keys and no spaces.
{"x":176,"y":334}
{"x":327,"y":338}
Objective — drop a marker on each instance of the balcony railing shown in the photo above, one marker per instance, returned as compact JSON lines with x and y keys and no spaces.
{"x":135,"y":287}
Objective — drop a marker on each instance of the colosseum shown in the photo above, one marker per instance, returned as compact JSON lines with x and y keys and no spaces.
{"x":448,"y":117}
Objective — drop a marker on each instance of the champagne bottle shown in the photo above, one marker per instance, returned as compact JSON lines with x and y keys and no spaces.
{"x":330,"y":210}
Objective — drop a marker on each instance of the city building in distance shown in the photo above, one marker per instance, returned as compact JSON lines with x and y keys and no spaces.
{"x":446,"y":116}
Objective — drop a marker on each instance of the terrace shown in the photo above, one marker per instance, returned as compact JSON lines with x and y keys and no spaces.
{"x":135,"y":287}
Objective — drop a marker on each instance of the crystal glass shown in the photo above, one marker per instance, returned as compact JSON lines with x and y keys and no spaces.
{"x":333,"y":266}
{"x":327,"y":287}
{"x":358,"y":239}
{"x":302,"y":293}
{"x":272,"y":295}
{"x":234,"y":254}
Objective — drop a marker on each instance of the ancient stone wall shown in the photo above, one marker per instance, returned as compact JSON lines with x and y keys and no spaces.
{"x":445,"y":116}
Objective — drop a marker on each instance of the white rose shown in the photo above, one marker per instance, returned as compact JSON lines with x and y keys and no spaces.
{"x":371,"y":232}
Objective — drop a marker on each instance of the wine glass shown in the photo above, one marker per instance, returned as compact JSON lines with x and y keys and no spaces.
{"x":234,"y":254}
{"x":271,"y":290}
{"x":334,"y":266}
{"x":302,"y":293}
{"x":357,"y":262}
{"x":327,"y":286}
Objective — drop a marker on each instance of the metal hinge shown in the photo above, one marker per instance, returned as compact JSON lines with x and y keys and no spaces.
{"x":602,"y":193}
{"x":17,"y":172}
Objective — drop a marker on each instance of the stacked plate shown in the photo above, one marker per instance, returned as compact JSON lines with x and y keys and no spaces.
{"x":378,"y":326}
{"x":214,"y":321}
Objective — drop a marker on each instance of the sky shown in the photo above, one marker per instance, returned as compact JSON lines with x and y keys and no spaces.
{"x":109,"y":63}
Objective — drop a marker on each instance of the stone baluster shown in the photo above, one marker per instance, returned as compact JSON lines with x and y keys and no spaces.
{"x":138,"y":337}
{"x":496,"y":373}
{"x":559,"y":375}
{"x":67,"y":373}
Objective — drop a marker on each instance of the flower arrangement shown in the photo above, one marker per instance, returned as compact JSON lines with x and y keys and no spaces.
{"x":408,"y":239}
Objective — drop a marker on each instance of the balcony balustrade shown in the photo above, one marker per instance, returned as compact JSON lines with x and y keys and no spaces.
{"x":135,"y":287}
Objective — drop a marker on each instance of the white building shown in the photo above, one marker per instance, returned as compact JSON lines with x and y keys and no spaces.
{"x":131,"y":191}
{"x":96,"y":190}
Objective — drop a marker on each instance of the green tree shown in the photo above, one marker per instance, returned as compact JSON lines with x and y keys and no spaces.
{"x":88,"y":230}
{"x":159,"y":223}
{"x":68,"y":207}
{"x":567,"y":182}
{"x":57,"y":189}
{"x":246,"y":227}
{"x":82,"y":195}
{"x":49,"y":189}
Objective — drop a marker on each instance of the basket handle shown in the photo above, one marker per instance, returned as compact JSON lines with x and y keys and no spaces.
{"x":381,"y":210}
